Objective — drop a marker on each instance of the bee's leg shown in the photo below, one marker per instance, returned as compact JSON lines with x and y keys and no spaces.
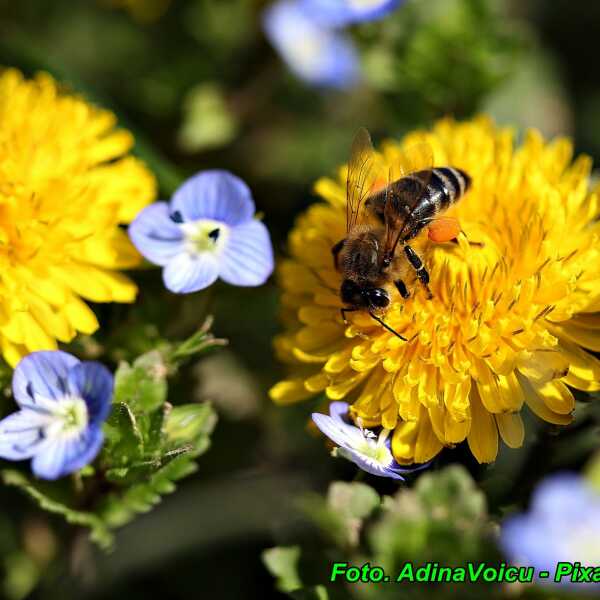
{"x":335,"y":250}
{"x":419,"y":267}
{"x":401,"y":287}
{"x":385,"y":325}
{"x":343,"y":312}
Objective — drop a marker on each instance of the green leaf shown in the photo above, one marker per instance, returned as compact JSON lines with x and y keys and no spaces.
{"x":342,"y":514}
{"x":282,"y":563}
{"x":443,"y":518}
{"x":189,"y":424}
{"x":124,"y":442}
{"x":352,"y":500}
{"x":199,"y":343}
{"x":207,"y":121}
{"x":99,"y":531}
{"x":118,"y":509}
{"x":171,"y":440}
{"x":142,"y":386}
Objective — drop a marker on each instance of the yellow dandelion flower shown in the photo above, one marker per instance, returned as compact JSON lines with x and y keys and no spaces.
{"x":66,"y":183}
{"x":509,"y":322}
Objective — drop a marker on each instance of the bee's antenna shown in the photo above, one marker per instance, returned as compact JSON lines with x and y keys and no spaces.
{"x":386,"y":326}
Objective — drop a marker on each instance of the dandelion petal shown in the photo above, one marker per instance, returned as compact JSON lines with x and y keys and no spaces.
{"x":21,"y":435}
{"x":189,"y":273}
{"x":42,"y":373}
{"x":62,"y":456}
{"x":247,"y":260}
{"x":217,"y":195}
{"x":156,"y":235}
{"x":94,"y":383}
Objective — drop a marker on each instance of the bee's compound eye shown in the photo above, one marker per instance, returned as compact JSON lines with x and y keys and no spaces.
{"x":378,"y":298}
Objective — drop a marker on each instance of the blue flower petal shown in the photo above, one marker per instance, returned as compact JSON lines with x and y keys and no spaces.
{"x":94,"y":383}
{"x":188,"y":273}
{"x":339,"y":411}
{"x":339,"y":13}
{"x":247,"y":259}
{"x":21,"y":434}
{"x":62,"y":456}
{"x":217,"y":195}
{"x":315,"y":54}
{"x":42,"y":373}
{"x":559,"y":493}
{"x":345,"y":436}
{"x":368,"y":465}
{"x":156,"y":236}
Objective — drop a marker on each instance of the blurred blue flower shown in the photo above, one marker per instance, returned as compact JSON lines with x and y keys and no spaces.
{"x":339,"y":13}
{"x":314,"y":53}
{"x":207,"y":231}
{"x":63,"y":405}
{"x":563,"y":524}
{"x":370,"y":452}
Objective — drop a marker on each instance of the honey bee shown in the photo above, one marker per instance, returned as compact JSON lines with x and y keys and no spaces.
{"x":385,"y":209}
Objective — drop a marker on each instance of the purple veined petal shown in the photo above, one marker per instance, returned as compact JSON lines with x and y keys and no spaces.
{"x":316,"y":54}
{"x":368,"y":464}
{"x":339,"y":410}
{"x":94,"y":383}
{"x":561,"y":492}
{"x":188,"y":273}
{"x":42,"y":373}
{"x":21,"y":434}
{"x":525,"y":541}
{"x":62,"y":456}
{"x":345,"y":436}
{"x":398,"y":468}
{"x":156,"y":236}
{"x":215,"y":194}
{"x":247,"y":258}
{"x":339,"y":13}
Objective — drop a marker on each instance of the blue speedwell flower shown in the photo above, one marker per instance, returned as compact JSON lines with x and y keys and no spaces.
{"x":207,"y":231}
{"x":361,"y":446}
{"x":339,"y":13}
{"x":563,"y":524}
{"x":63,"y":405}
{"x":316,"y":54}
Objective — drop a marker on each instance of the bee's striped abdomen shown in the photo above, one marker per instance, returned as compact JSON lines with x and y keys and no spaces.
{"x":419,"y":197}
{"x":450,"y":183}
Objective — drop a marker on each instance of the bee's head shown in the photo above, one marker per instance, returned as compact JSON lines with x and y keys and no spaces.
{"x":366,"y":296}
{"x":377,"y":297}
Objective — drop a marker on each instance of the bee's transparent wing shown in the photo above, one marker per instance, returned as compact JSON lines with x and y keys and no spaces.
{"x":414,"y":167}
{"x":417,"y":157}
{"x":365,"y":172}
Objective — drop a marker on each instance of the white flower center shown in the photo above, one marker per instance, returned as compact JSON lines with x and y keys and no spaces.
{"x":375,"y":448}
{"x":584,"y":544}
{"x":364,"y":4}
{"x":205,"y":235}
{"x":69,"y":417}
{"x":309,"y":52}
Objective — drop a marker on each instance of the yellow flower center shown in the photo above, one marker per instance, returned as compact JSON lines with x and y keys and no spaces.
{"x":205,"y":235}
